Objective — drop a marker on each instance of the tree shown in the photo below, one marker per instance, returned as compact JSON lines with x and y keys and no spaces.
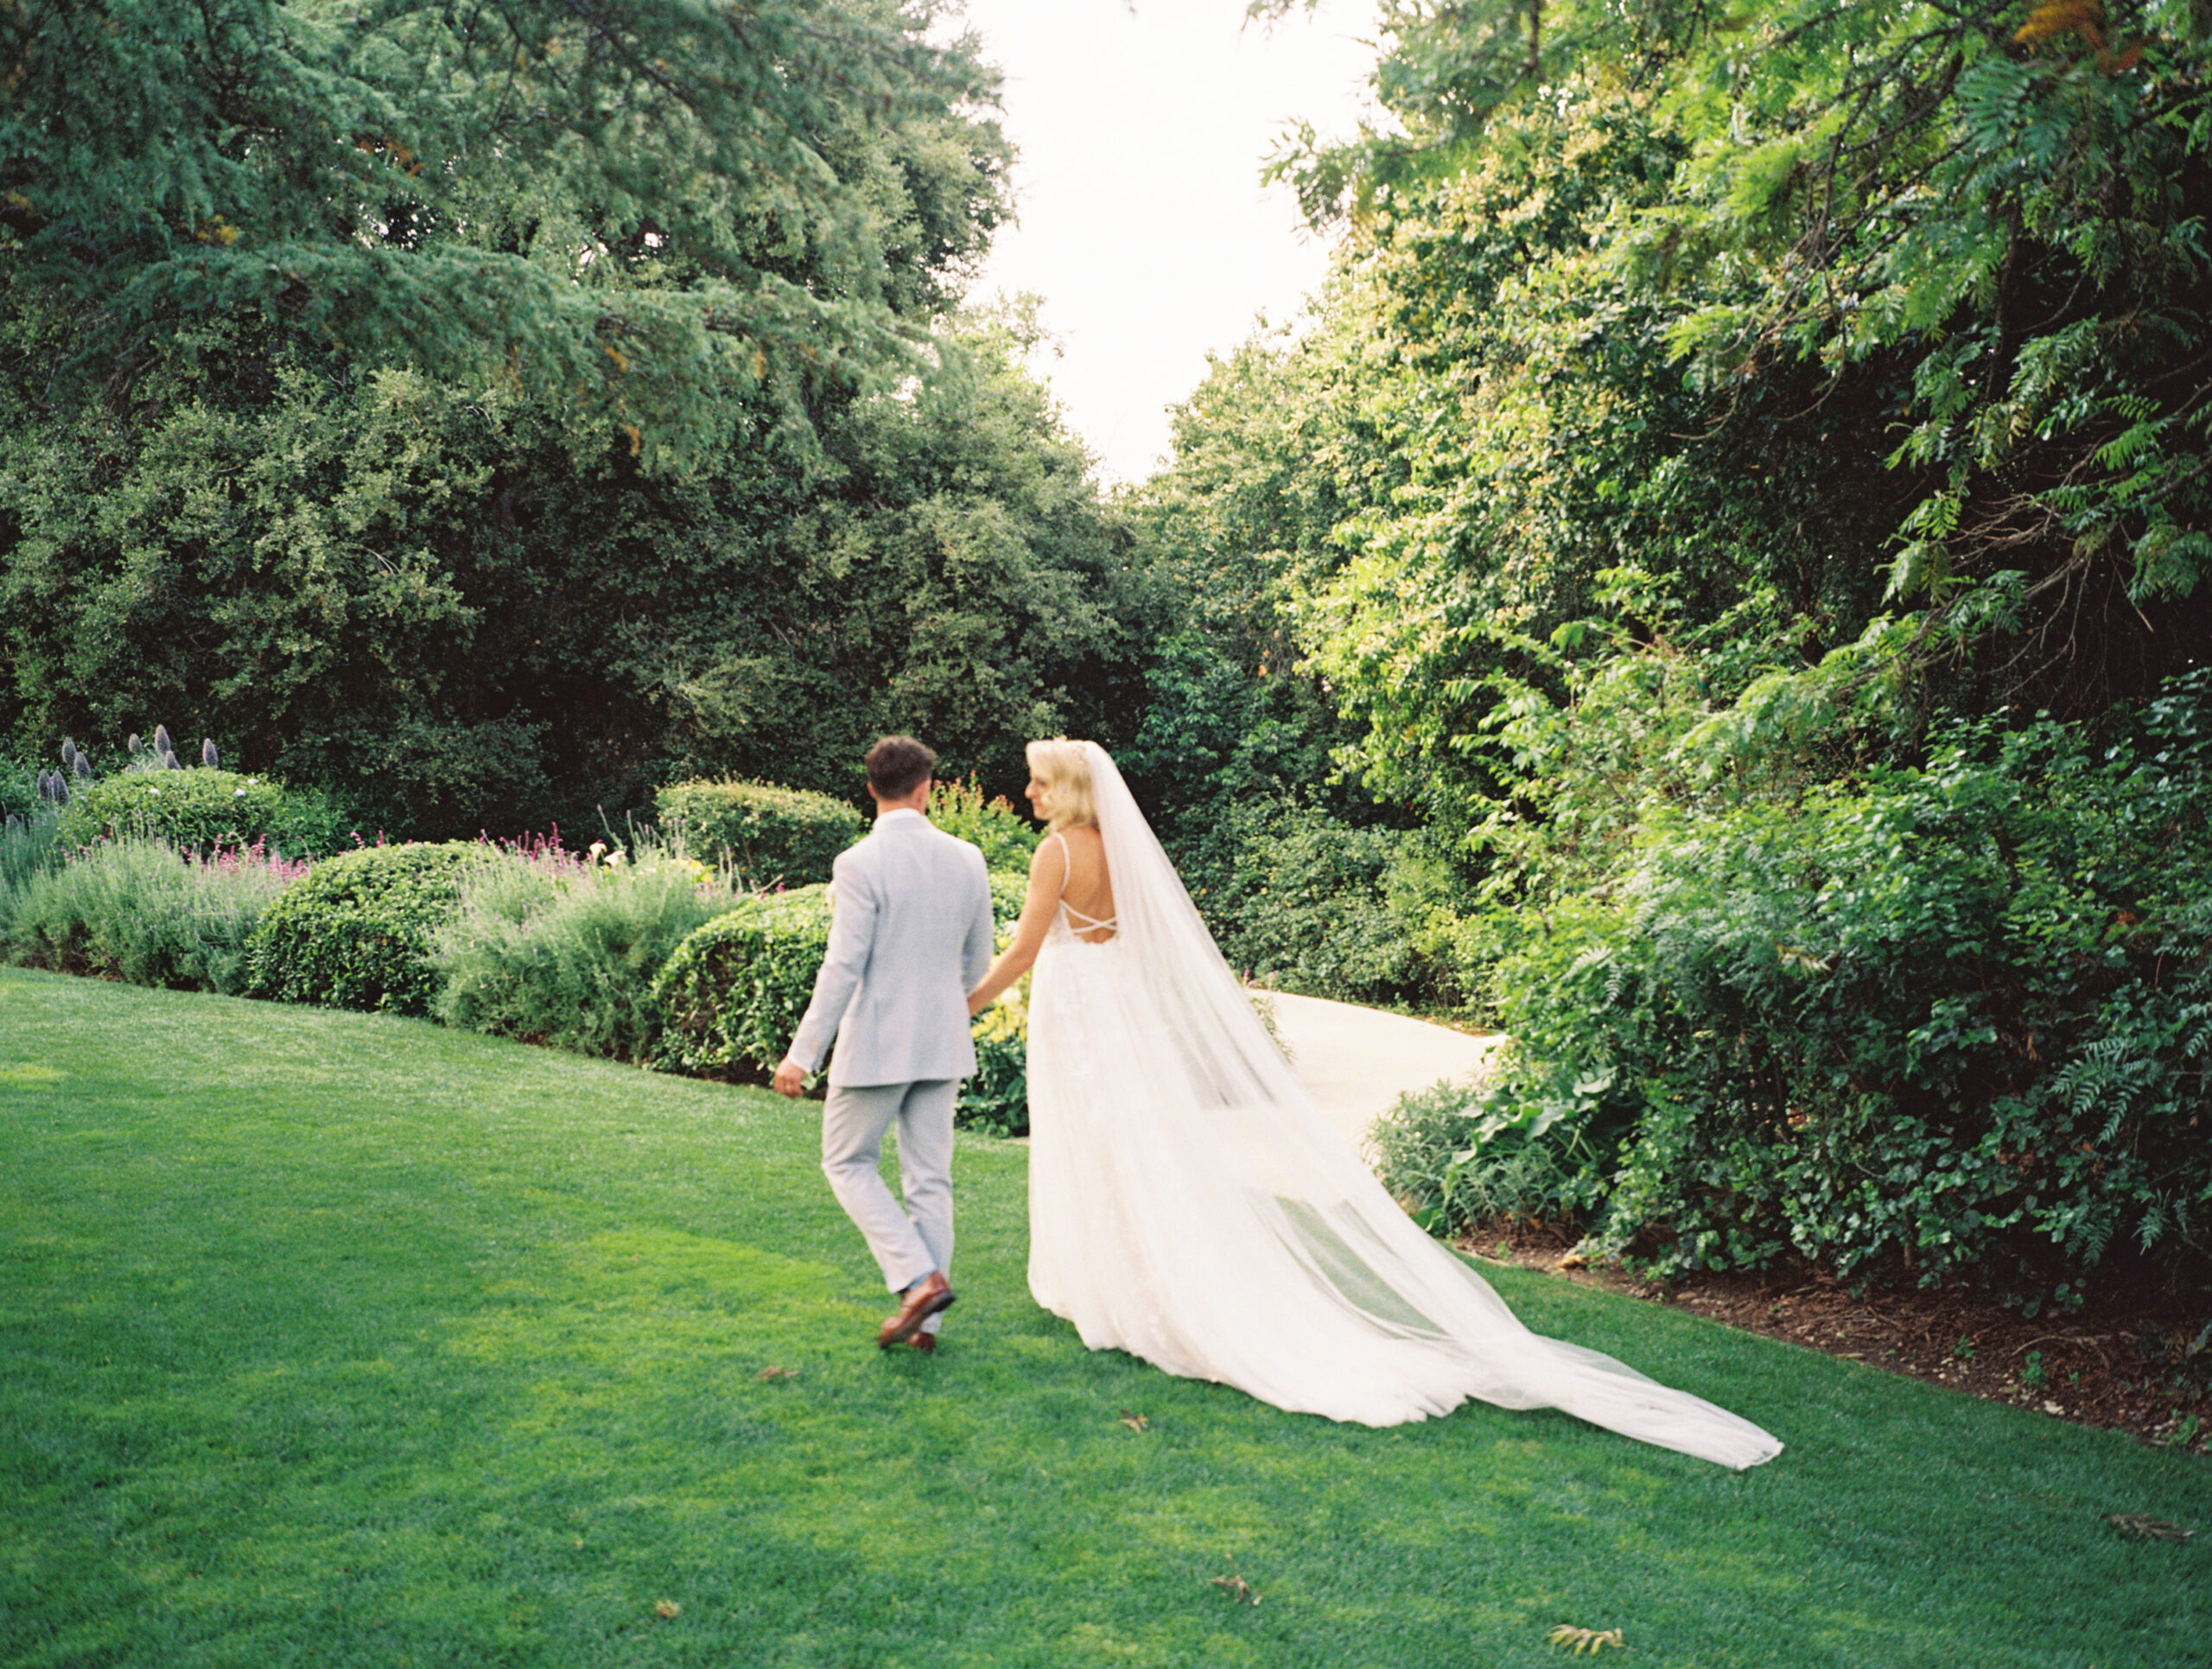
{"x":1668,"y":290}
{"x":650,"y":216}
{"x":421,"y":596}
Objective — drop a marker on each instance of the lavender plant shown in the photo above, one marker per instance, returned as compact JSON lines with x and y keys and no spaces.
{"x":141,"y":911}
{"x":559,"y":947}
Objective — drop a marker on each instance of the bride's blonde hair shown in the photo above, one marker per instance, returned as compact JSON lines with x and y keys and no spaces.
{"x":1062,"y":767}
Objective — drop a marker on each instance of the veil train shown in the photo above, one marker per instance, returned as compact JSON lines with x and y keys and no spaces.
{"x":1192,"y":1204}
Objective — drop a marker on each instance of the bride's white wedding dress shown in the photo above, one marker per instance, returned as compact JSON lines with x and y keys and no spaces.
{"x":1189,"y":1202}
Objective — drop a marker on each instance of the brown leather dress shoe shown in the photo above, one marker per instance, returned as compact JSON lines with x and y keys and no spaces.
{"x":920,"y":1301}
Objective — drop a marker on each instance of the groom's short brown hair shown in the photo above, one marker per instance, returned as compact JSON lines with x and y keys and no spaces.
{"x":897,"y":766}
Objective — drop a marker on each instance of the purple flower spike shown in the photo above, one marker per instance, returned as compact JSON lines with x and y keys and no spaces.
{"x":84,"y":767}
{"x":68,"y":754}
{"x":171,"y":762}
{"x":161,"y":740}
{"x":208,"y":757}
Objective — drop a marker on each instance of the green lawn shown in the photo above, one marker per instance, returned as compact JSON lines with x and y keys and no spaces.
{"x":343,"y":1340}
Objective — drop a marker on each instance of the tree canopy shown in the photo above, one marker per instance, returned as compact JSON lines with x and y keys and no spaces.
{"x":1886,"y":321}
{"x":649,"y":215}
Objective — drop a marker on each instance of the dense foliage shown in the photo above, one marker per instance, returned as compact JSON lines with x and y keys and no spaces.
{"x":487,"y":468}
{"x":553,"y":948}
{"x":1955,"y":1019}
{"x":652,"y":216}
{"x":771,"y":836}
{"x":417,"y":596}
{"x":356,"y":931}
{"x":1743,"y":493}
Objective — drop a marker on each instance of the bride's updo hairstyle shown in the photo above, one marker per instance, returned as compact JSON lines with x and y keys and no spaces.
{"x":1060,"y":766}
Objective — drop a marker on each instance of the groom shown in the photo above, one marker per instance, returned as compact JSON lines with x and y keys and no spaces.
{"x":910,"y":934}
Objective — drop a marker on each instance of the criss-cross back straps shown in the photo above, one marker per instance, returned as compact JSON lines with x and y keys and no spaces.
{"x":1077,"y":921}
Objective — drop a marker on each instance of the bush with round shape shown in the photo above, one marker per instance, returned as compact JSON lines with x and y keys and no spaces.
{"x":734,"y":991}
{"x":356,"y":931}
{"x":203,"y":810}
{"x":769,"y":835}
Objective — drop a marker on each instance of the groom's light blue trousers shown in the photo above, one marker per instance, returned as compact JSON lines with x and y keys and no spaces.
{"x":907,"y":1241}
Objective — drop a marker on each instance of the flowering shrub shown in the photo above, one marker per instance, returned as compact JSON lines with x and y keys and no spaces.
{"x":554,"y":947}
{"x":1007,"y":837}
{"x":996,"y":1100}
{"x":141,"y":911}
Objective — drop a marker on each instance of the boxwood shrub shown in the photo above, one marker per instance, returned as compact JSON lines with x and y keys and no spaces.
{"x":769,"y":835}
{"x":203,"y":810}
{"x":734,"y":991}
{"x":356,"y":931}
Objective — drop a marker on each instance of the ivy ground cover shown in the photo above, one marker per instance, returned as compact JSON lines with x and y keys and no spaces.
{"x":345,"y":1338}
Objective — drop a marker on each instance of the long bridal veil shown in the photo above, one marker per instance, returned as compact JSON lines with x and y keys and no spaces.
{"x":1281,"y":1266}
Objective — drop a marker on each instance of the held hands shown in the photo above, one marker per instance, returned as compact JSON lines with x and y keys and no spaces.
{"x":790,"y":1077}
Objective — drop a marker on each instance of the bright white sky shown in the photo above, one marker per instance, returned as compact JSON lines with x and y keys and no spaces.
{"x":1143,"y":224}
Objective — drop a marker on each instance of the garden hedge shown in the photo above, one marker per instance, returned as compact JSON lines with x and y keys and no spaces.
{"x":734,"y":991}
{"x":356,"y":931}
{"x":769,"y":835}
{"x":204,"y":810}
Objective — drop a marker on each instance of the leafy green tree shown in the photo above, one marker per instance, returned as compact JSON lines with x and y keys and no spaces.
{"x":950,"y":571}
{"x":424,"y":599}
{"x":1668,"y":290}
{"x":663,"y":216}
{"x":1268,"y":461}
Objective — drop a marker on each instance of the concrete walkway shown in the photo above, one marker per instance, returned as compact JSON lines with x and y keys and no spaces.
{"x":1358,"y":1062}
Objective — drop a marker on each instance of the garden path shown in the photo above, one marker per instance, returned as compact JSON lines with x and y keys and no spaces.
{"x":1358,"y":1062}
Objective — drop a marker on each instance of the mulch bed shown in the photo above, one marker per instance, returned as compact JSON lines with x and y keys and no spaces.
{"x":2126,"y":1364}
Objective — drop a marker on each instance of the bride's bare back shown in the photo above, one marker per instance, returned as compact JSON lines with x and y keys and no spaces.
{"x":1068,"y":871}
{"x":1086,"y":887}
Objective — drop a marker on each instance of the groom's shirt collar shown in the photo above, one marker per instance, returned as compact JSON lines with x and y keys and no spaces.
{"x":904,"y":814}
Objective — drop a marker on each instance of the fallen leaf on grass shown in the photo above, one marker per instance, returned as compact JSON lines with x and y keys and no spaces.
{"x":666,"y":1608}
{"x":1238,"y":1588}
{"x":1134,"y":1422}
{"x":777,"y":1374}
{"x":1592,"y":1641}
{"x":2149,"y":1529}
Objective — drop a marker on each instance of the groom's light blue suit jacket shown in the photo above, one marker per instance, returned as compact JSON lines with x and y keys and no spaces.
{"x":910,"y":934}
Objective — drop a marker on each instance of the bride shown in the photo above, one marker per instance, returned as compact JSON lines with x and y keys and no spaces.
{"x":1189,"y":1203}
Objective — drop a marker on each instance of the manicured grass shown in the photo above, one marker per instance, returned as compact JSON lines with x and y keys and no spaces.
{"x":339,"y":1339}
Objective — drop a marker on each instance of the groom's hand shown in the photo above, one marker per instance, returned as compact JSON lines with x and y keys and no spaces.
{"x":790,"y":1077}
